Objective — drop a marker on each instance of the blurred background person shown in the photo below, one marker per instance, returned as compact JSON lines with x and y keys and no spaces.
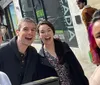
{"x":87,"y":11}
{"x":4,"y":31}
{"x":4,"y":80}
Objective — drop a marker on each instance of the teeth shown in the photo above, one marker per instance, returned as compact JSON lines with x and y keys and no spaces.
{"x":47,"y":38}
{"x":28,"y":38}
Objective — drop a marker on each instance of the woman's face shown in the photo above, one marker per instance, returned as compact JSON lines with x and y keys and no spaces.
{"x":96,"y":32}
{"x":46,"y":34}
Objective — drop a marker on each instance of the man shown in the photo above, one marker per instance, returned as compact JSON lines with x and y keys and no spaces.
{"x":18,"y":59}
{"x":87,"y":11}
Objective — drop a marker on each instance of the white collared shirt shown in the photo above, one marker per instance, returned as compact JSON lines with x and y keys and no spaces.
{"x":4,"y":80}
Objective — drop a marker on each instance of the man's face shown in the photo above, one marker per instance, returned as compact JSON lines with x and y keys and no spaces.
{"x":80,"y":4}
{"x":27,"y":33}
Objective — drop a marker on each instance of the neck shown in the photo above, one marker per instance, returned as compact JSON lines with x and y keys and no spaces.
{"x":21,"y":47}
{"x":51,"y":49}
{"x":51,"y":46}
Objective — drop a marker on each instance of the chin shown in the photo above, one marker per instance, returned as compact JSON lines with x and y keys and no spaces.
{"x":47,"y":43}
{"x":28,"y":43}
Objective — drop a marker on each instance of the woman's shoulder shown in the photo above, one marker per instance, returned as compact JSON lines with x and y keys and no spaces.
{"x":95,"y":78}
{"x":97,"y":72}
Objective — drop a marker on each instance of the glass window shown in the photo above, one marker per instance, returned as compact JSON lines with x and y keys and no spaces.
{"x":55,"y":11}
{"x":58,"y":13}
{"x":13,"y":15}
{"x":28,"y":9}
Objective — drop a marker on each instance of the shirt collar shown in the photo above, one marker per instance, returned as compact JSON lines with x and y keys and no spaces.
{"x":86,"y":6}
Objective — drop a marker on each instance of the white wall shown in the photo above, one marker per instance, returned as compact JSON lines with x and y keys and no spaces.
{"x":94,"y":3}
{"x":80,"y":30}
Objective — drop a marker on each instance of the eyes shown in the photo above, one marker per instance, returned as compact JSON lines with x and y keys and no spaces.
{"x":26,"y":29}
{"x":45,"y":31}
{"x":97,"y":35}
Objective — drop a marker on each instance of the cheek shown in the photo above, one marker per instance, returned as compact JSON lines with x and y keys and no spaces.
{"x":41,"y":35}
{"x":34,"y":33}
{"x":81,"y":6}
{"x":98,"y":42}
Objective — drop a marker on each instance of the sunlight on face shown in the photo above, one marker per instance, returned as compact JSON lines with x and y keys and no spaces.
{"x":96,"y":32}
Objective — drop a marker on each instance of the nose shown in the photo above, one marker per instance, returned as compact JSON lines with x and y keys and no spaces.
{"x":46,"y":33}
{"x":30,"y":32}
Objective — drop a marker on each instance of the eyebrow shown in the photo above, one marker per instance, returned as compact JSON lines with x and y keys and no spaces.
{"x":97,"y":34}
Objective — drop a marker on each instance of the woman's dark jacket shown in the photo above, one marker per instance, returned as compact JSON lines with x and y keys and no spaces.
{"x":67,"y":57}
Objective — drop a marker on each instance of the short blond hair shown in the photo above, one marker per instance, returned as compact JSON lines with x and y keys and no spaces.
{"x":26,"y":19}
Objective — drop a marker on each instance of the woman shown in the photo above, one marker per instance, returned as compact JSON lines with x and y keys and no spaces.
{"x":94,"y":47}
{"x":59,"y":56}
{"x":94,"y":37}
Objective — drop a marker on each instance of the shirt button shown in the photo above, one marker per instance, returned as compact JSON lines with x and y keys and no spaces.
{"x":21,"y":66}
{"x":21,"y":55}
{"x":22,"y":61}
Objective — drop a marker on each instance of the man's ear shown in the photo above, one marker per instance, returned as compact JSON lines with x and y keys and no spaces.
{"x":17,"y":32}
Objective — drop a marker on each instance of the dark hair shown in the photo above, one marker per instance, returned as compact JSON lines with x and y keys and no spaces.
{"x":96,"y":16}
{"x":82,"y":1}
{"x":46,"y":23}
{"x":1,"y":13}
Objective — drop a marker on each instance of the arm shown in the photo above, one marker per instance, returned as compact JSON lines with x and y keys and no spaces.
{"x":4,"y":80}
{"x":95,"y":78}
